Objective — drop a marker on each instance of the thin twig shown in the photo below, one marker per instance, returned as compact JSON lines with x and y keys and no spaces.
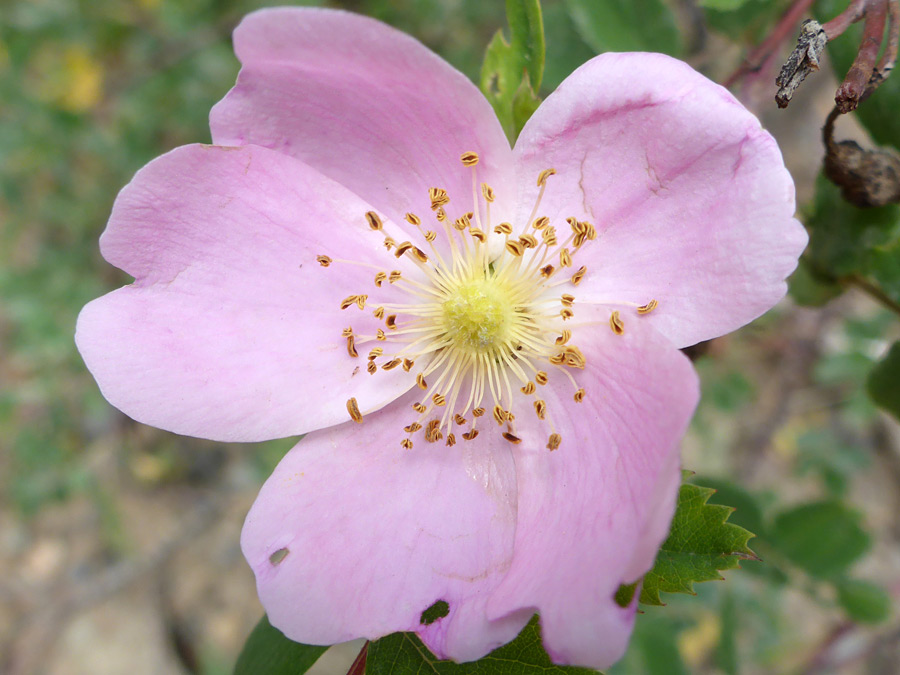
{"x":783,"y":29}
{"x":845,"y":19}
{"x":860,"y":73}
{"x":872,"y":290}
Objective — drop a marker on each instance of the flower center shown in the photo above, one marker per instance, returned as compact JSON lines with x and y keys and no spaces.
{"x":478,"y":326}
{"x":478,"y":314}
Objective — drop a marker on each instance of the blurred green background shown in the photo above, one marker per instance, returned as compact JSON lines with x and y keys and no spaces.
{"x":118,"y":543}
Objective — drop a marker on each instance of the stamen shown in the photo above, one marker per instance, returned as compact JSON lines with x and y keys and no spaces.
{"x":358,"y":300}
{"x":353,"y":409}
{"x":374,"y":220}
{"x":487,"y":192}
{"x":649,"y":307}
{"x":565,"y":258}
{"x":615,"y":322}
{"x":406,"y":443}
{"x":419,"y":408}
{"x":566,"y":313}
{"x":553,"y":442}
{"x":351,"y":346}
{"x":564,"y":337}
{"x":567,"y":300}
{"x":528,"y":389}
{"x":378,"y":313}
{"x":541,"y":223}
{"x":579,"y":275}
{"x":470,"y":434}
{"x":541,"y":377}
{"x":390,"y":365}
{"x":323,"y":260}
{"x":451,"y":440}
{"x":544,"y":175}
{"x":379,"y":278}
{"x":420,"y":380}
{"x":579,"y":395}
{"x":438,"y":198}
{"x":540,"y":408}
{"x":469,"y":158}
{"x":439,"y":400}
{"x":511,"y":438}
{"x":459,"y":419}
{"x":394,"y":276}
{"x":503,"y":228}
{"x":477,"y":412}
{"x":412,"y":428}
{"x":413,"y":219}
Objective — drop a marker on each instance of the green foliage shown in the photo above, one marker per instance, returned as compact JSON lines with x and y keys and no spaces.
{"x":512,"y":70}
{"x":847,"y":242}
{"x":268,"y":652}
{"x":811,"y":289}
{"x":864,"y":601}
{"x":742,"y":20}
{"x":884,"y":382}
{"x":824,"y":538}
{"x":700,"y":544}
{"x":617,"y":26}
{"x":878,"y":113}
{"x":723,"y":5}
{"x":404,"y":654}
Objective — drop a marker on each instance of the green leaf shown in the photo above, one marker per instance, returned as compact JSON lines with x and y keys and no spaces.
{"x":847,"y":242}
{"x":722,"y":5}
{"x":864,"y":601}
{"x":810,"y":289}
{"x":824,"y":538}
{"x":268,"y":652}
{"x":878,"y":113}
{"x":404,"y":654}
{"x":700,"y":544}
{"x":629,"y":25}
{"x":884,"y":382}
{"x":512,"y":71}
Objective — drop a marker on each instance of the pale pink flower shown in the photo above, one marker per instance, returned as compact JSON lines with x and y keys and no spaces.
{"x":556,"y":310}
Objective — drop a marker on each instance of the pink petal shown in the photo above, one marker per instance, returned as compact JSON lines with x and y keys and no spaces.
{"x":366,"y":105}
{"x":691,"y":196}
{"x":593,"y":512}
{"x":369,"y":535}
{"x":232,"y":330}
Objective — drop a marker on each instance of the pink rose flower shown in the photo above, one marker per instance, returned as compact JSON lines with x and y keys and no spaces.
{"x":481,"y":343}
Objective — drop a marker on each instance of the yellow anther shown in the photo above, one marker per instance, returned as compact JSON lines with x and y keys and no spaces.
{"x":420,"y":380}
{"x":615,"y":322}
{"x":566,"y":313}
{"x":459,"y":419}
{"x":541,"y":377}
{"x":353,"y":409}
{"x":371,"y":367}
{"x":378,"y":313}
{"x":408,"y":364}
{"x":419,"y":408}
{"x":567,"y":299}
{"x":557,"y":359}
{"x":380,"y":336}
{"x":528,"y":241}
{"x":323,"y":260}
{"x":379,"y":278}
{"x":579,"y":395}
{"x":477,"y":234}
{"x":499,"y":414}
{"x":430,"y":236}
{"x":351,"y":346}
{"x":544,"y":175}
{"x":374,"y":220}
{"x":433,"y":431}
{"x":528,"y":389}
{"x":565,"y":258}
{"x":412,"y":428}
{"x":451,"y":440}
{"x":413,"y":219}
{"x":419,"y":254}
{"x":547,"y":270}
{"x":573,"y":357}
{"x":438,"y":198}
{"x":358,"y":300}
{"x":375,"y":353}
{"x":488,"y":192}
{"x":564,"y":337}
{"x":470,"y":434}
{"x":402,"y":248}
{"x":477,"y":412}
{"x":462,"y":222}
{"x":347,"y":332}
{"x":511,"y":437}
{"x":540,"y":408}
{"x":541,"y":223}
{"x":439,"y":400}
{"x":649,"y":307}
{"x":469,"y":158}
{"x":440,"y":214}
{"x":503,"y":228}
{"x":391,"y":321}
{"x":553,"y":442}
{"x":579,"y":275}
{"x":389,"y":243}
{"x":390,"y":365}
{"x":394,"y":276}
{"x":516,"y":248}
{"x":406,"y":443}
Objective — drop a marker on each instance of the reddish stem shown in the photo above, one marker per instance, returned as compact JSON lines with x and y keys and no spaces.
{"x":783,"y":29}
{"x":359,"y":664}
{"x":849,"y":16}
{"x":857,"y":80}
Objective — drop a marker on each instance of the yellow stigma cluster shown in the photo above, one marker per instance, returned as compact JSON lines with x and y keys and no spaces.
{"x":485,"y":328}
